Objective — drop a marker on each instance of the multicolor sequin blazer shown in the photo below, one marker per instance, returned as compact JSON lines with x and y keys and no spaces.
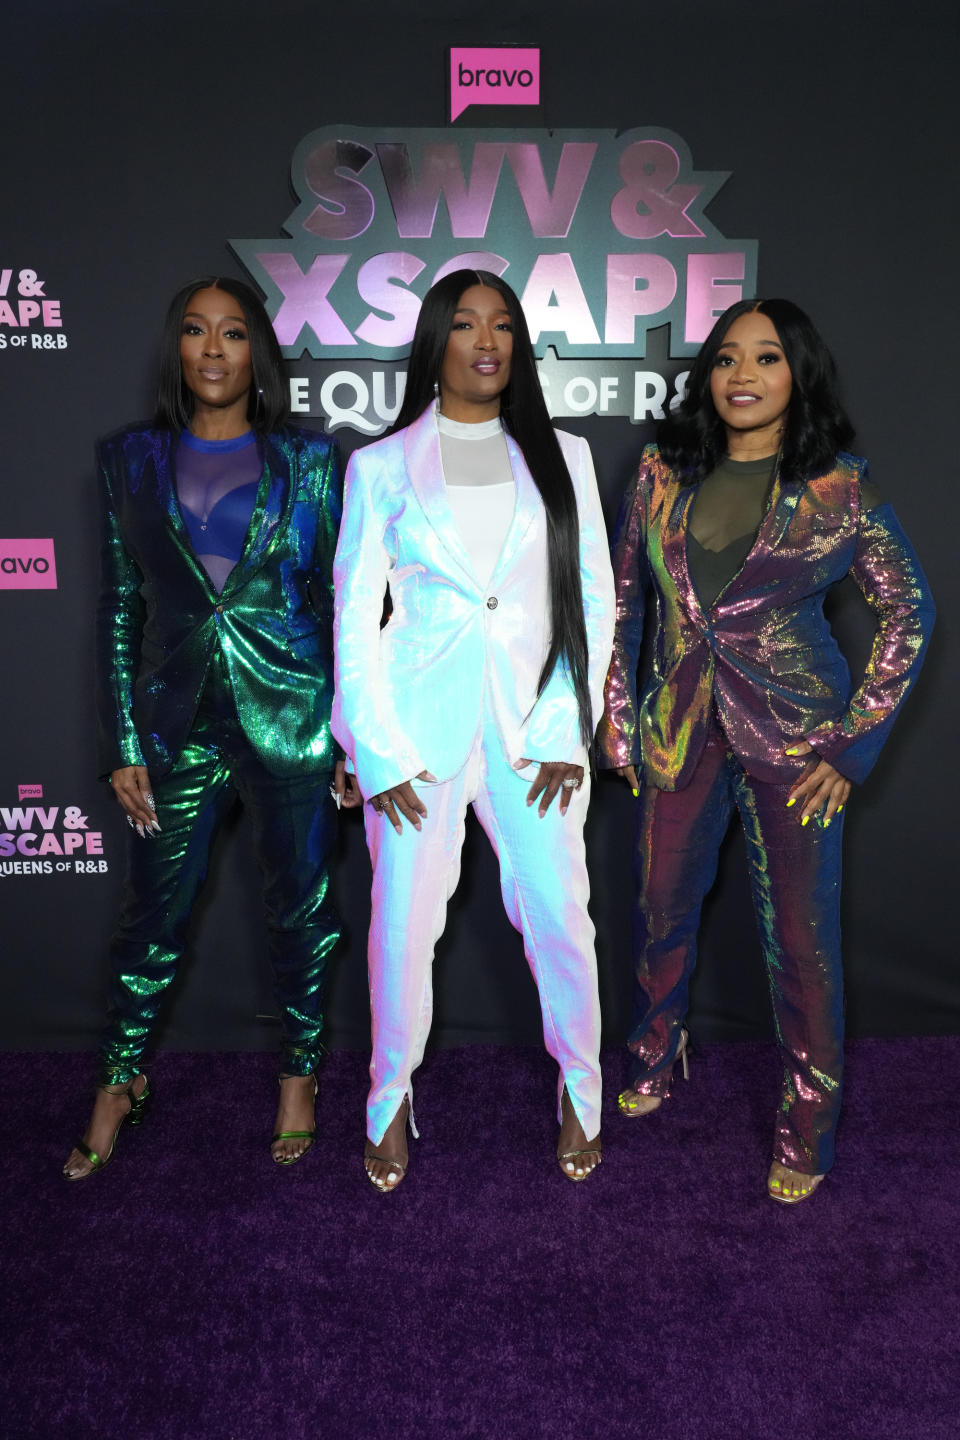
{"x":763,"y":652}
{"x":160,"y":620}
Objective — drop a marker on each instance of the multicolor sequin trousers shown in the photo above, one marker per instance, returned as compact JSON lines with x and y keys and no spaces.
{"x":294,"y":827}
{"x":795,"y":883}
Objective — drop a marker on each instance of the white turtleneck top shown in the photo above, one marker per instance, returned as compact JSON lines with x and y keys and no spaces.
{"x":481,"y":490}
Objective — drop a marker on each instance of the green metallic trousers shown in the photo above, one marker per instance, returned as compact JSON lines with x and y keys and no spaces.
{"x":294,"y":827}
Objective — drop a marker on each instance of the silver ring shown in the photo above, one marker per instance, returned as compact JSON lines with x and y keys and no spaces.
{"x":570,"y":784}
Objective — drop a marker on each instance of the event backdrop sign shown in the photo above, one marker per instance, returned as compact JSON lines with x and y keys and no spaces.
{"x":604,"y":236}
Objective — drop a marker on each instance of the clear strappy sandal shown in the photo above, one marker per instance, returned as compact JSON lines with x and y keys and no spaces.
{"x":632,"y":1105}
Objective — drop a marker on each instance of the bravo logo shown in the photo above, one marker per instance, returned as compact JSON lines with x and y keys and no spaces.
{"x":27,"y":565}
{"x":493,"y":75}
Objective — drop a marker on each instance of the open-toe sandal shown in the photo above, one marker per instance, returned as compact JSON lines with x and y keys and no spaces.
{"x":385,"y":1186}
{"x":135,"y":1116}
{"x":775,"y":1190}
{"x":308,"y":1135}
{"x":632,"y":1104}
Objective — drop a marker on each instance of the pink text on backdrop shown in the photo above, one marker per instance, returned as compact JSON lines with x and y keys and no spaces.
{"x":29,"y":792}
{"x":27,"y":565}
{"x":493,"y":75}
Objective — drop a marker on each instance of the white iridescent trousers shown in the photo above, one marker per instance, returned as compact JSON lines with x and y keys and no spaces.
{"x":545,"y":888}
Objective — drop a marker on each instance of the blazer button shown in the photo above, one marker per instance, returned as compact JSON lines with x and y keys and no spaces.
{"x":492,"y":602}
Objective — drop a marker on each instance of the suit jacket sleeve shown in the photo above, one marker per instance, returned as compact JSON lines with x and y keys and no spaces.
{"x":553,"y":729}
{"x":618,"y":739}
{"x":888,"y":573}
{"x":120,"y":612}
{"x":363,"y":718}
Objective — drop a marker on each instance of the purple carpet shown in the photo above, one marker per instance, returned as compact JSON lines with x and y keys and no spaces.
{"x":196,"y":1290}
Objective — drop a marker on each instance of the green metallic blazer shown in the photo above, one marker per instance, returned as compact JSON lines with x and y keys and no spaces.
{"x":160,"y":621}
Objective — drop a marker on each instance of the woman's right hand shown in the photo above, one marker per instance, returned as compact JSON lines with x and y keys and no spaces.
{"x":131,"y":785}
{"x":628,"y":773}
{"x":405,"y":799}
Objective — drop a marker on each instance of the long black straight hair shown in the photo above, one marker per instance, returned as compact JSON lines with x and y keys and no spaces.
{"x":692,"y":440}
{"x":524,"y":415}
{"x":269,"y":402}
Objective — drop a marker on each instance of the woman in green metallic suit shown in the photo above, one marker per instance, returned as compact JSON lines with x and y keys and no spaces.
{"x":215,"y":679}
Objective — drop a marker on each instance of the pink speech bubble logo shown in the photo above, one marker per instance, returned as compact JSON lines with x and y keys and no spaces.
{"x":27,"y":565}
{"x":493,"y":75}
{"x":29,"y":792}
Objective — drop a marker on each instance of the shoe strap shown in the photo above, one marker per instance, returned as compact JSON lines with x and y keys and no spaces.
{"x":89,"y":1154}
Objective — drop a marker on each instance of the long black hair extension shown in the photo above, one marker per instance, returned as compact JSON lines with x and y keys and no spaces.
{"x":524,"y":415}
{"x":269,"y":402}
{"x":692,"y":439}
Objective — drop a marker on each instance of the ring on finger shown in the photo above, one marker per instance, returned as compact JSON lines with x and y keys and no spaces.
{"x":571,"y":783}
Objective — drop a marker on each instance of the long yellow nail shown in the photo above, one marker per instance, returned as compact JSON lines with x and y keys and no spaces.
{"x":792,"y":801}
{"x":826,"y":824}
{"x":839,"y":808}
{"x":794,"y":750}
{"x":635,"y":794}
{"x":805,"y":821}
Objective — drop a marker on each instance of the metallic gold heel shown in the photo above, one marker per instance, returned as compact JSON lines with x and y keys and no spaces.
{"x":593,"y":1148}
{"x":632,"y":1104}
{"x":310,"y":1135}
{"x":382,"y":1186}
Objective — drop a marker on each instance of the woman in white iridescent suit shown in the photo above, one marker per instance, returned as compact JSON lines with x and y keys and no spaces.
{"x":483,"y":688}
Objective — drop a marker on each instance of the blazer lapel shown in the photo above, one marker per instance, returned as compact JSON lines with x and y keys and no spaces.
{"x":164,"y":450}
{"x":784,"y":495}
{"x":673,"y":538}
{"x":274,"y":496}
{"x":421,"y":454}
{"x":527,"y":505}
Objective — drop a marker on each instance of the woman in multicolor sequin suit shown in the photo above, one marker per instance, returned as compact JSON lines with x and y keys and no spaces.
{"x":739,"y":523}
{"x":215,"y":679}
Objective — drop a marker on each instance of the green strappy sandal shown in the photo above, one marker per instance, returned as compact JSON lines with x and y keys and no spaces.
{"x":135,"y":1115}
{"x":310,"y":1135}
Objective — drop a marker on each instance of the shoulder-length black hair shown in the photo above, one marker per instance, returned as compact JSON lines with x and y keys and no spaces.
{"x":692,"y":439}
{"x":269,"y":402}
{"x":524,"y":414}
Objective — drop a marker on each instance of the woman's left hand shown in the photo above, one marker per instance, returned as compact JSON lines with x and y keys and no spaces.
{"x":820,"y":785}
{"x":553,"y":776}
{"x":346,"y":787}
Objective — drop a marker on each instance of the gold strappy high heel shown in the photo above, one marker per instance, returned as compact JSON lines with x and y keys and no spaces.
{"x":632,"y":1105}
{"x":563,"y":1156}
{"x":135,"y":1115}
{"x":384,"y":1187}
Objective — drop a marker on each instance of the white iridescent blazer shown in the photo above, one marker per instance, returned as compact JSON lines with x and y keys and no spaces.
{"x":411,"y":696}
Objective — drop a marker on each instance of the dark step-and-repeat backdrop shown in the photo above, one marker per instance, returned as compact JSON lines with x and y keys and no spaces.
{"x":631,"y":170}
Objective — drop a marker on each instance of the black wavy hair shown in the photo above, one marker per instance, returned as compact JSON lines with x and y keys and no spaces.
{"x":269,"y":402}
{"x":692,"y":439}
{"x":524,"y":414}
